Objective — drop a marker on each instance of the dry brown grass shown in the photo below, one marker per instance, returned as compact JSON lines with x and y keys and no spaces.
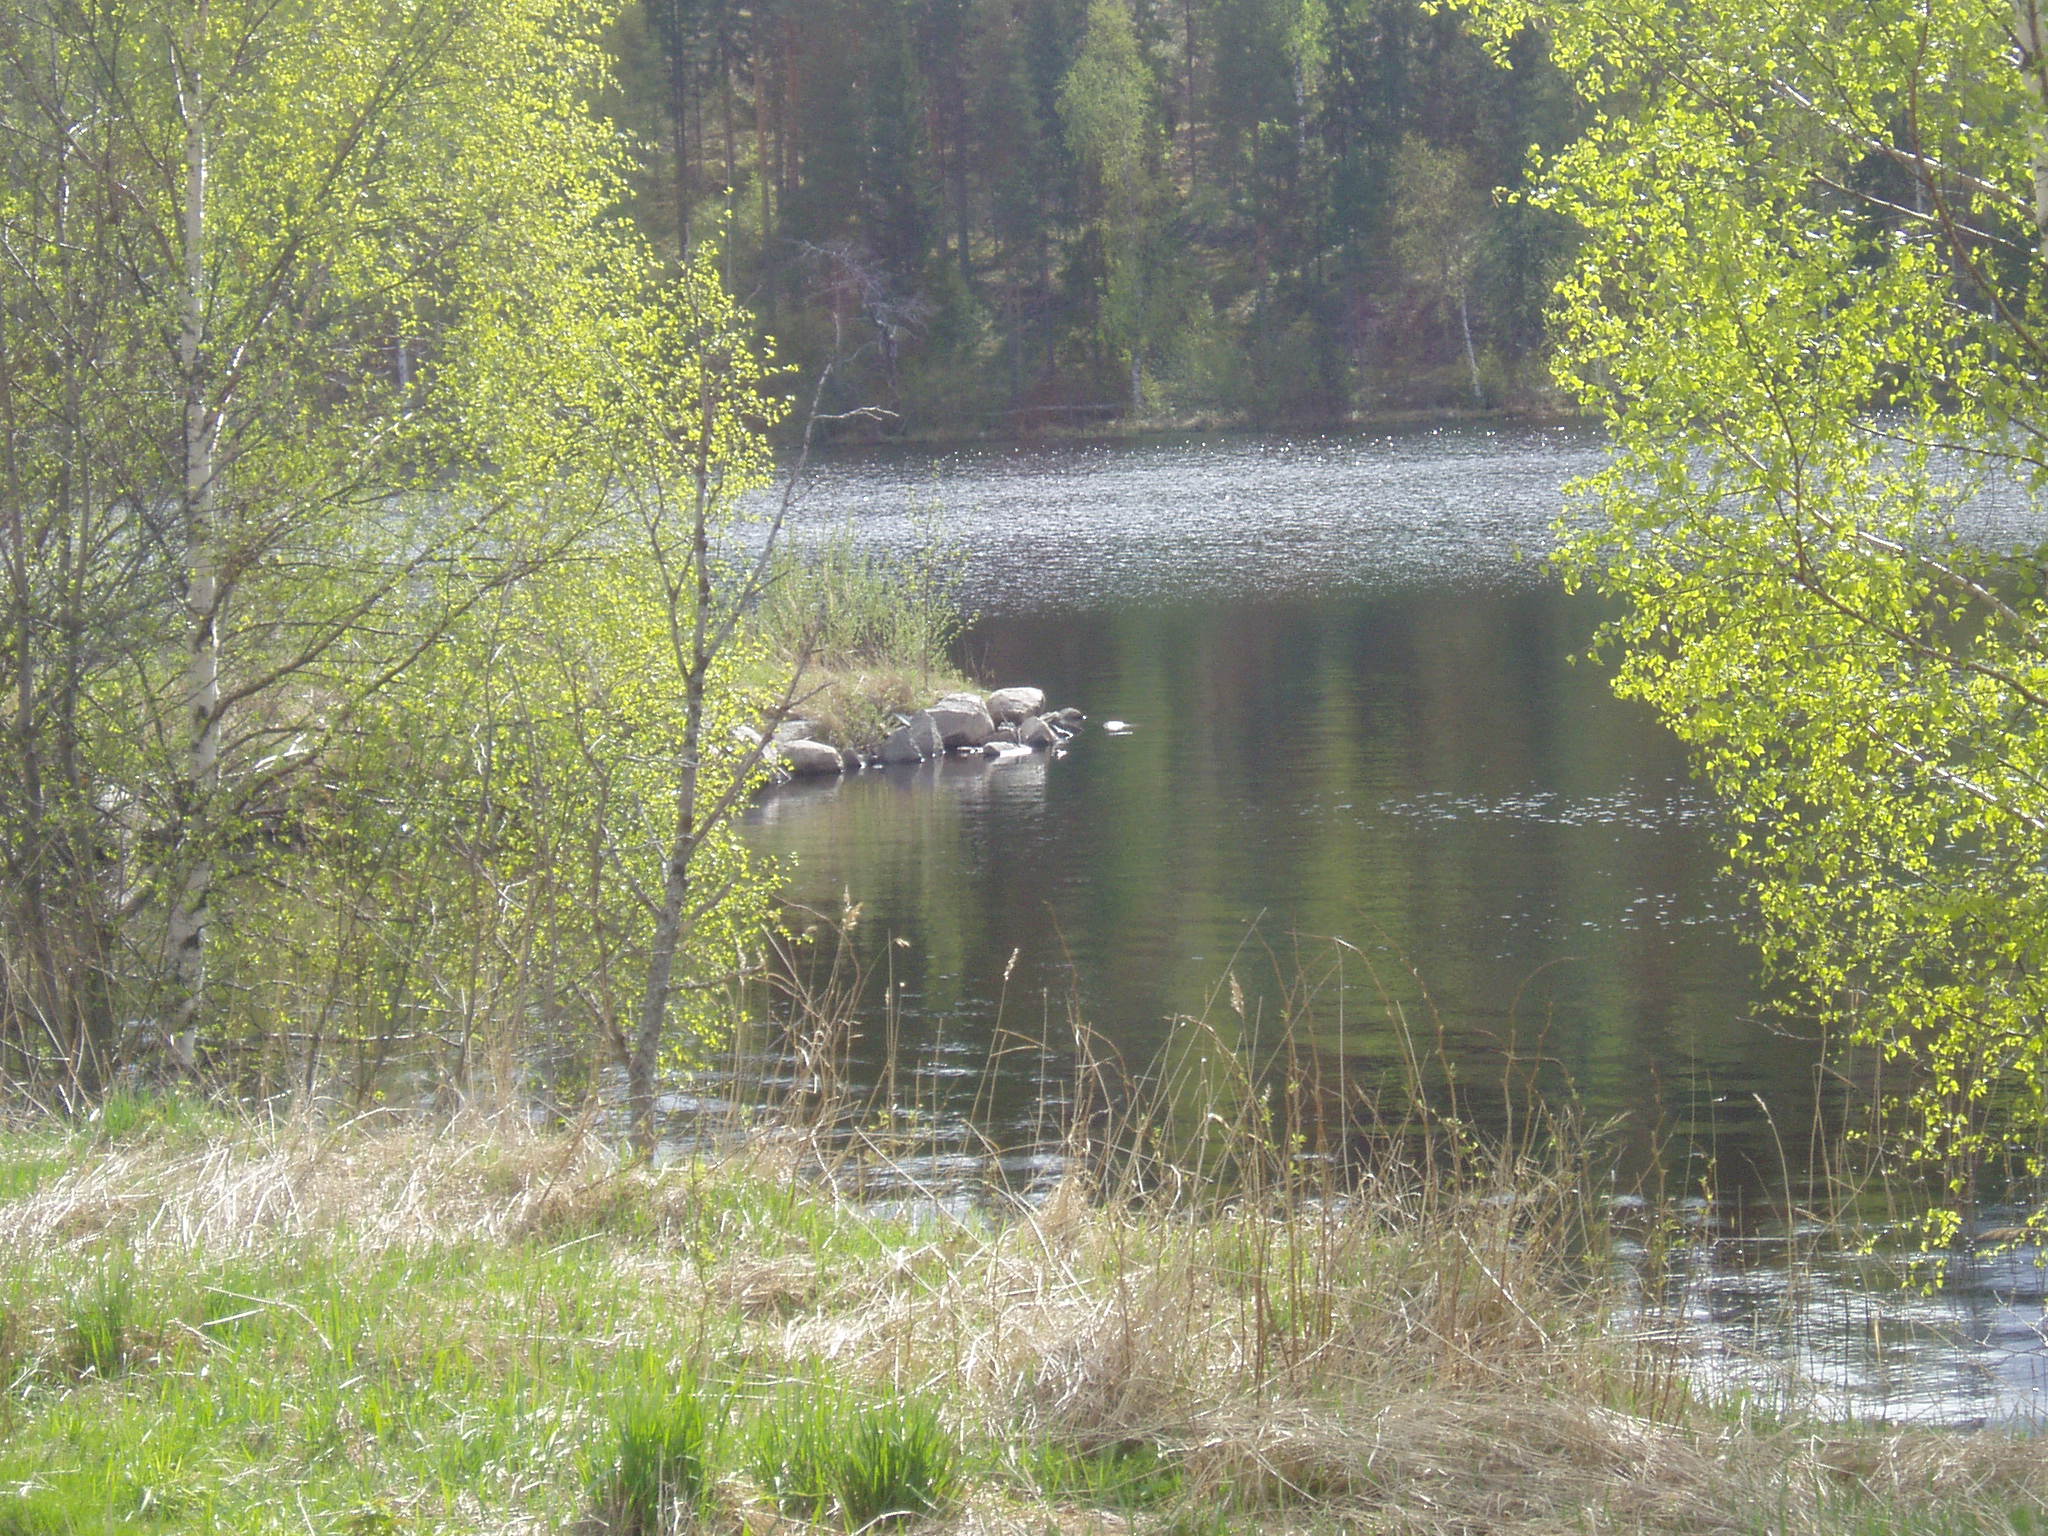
{"x":386,"y":1186}
{"x":853,"y":703}
{"x":1411,"y":1354}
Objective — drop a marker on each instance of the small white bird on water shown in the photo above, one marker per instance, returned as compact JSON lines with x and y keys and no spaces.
{"x":1118,"y":727}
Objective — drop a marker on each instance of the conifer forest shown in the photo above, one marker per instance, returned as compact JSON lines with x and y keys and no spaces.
{"x":1002,"y":215}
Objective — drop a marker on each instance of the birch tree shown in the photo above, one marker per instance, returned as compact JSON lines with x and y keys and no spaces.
{"x":1439,"y":231}
{"x":300,"y":305}
{"x":1813,"y":307}
{"x":1111,"y":127}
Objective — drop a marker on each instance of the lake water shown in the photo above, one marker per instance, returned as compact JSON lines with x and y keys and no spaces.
{"x":1373,"y":801}
{"x":1366,"y":780}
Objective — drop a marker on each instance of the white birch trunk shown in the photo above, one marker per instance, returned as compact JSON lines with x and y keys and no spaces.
{"x":2031,"y":35}
{"x":643,"y":1069}
{"x":1471,"y":357}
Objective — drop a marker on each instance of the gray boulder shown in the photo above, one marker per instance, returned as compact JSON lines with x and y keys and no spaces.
{"x":917,"y":739}
{"x":805,"y":756}
{"x":1038,"y":731}
{"x":1009,"y":705}
{"x":962,"y":720}
{"x":794,"y":730}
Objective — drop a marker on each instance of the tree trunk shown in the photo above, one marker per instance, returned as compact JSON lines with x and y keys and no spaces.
{"x":761,"y":167}
{"x":1471,"y":357}
{"x":2033,"y":40}
{"x":644,"y":1067}
{"x":679,"y":123}
{"x":732,"y":133}
{"x":54,"y":1003}
{"x":186,"y":930}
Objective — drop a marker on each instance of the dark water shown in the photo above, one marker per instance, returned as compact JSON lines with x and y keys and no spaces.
{"x":1366,"y":780}
{"x":1374,"y":802}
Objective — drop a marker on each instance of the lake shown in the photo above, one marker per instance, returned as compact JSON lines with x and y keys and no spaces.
{"x":1369,"y":778}
{"x":1375,"y":801}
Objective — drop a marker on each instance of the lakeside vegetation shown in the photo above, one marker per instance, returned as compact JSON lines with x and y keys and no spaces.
{"x":870,"y":635}
{"x":388,"y":639}
{"x":394,"y":1325}
{"x":386,"y":656}
{"x":1809,"y":304}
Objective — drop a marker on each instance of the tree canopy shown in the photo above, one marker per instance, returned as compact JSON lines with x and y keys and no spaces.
{"x":1019,"y":209}
{"x":1810,"y":303}
{"x":348,"y":438}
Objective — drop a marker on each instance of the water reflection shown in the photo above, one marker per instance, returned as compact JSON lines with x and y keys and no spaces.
{"x":1374,"y":813}
{"x":1365,"y":765}
{"x":1392,"y":817}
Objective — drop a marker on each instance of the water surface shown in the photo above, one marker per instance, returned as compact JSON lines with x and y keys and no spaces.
{"x":1375,"y":801}
{"x":1365,"y":769}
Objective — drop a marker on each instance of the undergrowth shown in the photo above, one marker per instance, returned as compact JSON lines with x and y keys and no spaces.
{"x":474,"y":1327}
{"x":875,"y":630}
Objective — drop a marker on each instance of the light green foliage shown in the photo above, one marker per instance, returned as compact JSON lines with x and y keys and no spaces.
{"x":1440,"y":229}
{"x":501,"y":814}
{"x":662,"y":1458}
{"x":791,"y":1445}
{"x":816,"y":1448}
{"x":1127,"y":1475}
{"x":96,"y":1336}
{"x":348,"y":442}
{"x":899,"y":1462}
{"x":1810,"y":305}
{"x":1105,"y":101}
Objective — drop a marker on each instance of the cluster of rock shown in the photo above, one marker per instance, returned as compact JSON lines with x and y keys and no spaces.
{"x":1011,"y":722}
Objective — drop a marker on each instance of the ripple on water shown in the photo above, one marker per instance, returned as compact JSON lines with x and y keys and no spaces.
{"x":1630,"y":806}
{"x":1829,"y":1337}
{"x":1083,"y":525}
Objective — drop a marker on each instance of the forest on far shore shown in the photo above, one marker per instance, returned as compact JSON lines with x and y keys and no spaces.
{"x":1008,"y":215}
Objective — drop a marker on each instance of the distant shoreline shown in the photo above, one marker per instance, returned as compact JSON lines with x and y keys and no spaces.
{"x":1140,"y":428}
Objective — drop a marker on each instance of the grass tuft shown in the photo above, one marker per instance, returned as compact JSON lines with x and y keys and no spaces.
{"x":792,"y":1442}
{"x":662,"y":1453}
{"x":815,"y":1450}
{"x":899,"y":1463}
{"x":98,"y":1333}
{"x":1124,"y":1475}
{"x":876,"y":631}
